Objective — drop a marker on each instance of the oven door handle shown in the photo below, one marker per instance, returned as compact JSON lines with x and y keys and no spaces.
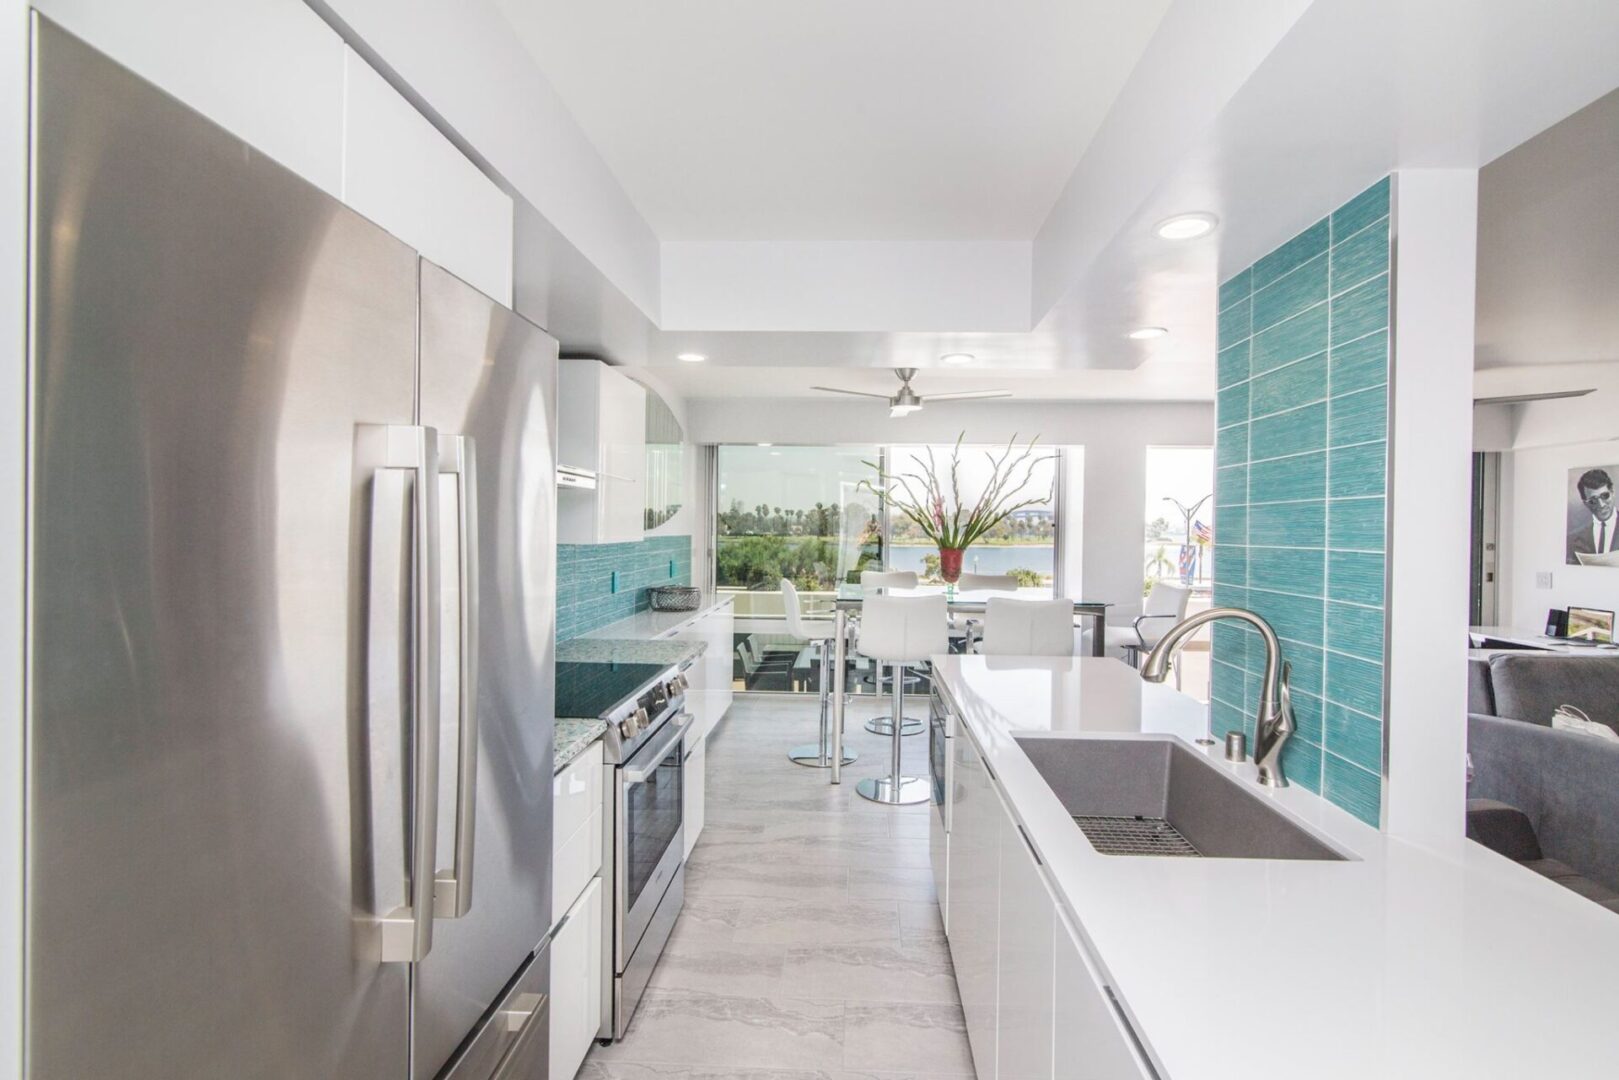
{"x":660,"y":751}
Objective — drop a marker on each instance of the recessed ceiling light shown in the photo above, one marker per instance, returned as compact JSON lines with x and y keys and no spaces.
{"x":1147,"y":333}
{"x":767,"y":444}
{"x":958,"y":358}
{"x":691,"y":357}
{"x":1186,"y":226}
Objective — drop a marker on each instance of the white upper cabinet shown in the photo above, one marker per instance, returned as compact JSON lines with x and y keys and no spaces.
{"x":601,"y":428}
{"x":268,"y":71}
{"x":400,"y":172}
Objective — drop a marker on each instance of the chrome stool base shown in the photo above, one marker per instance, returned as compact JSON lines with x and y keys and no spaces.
{"x":882,"y":789}
{"x":809,"y":755}
{"x":882,"y":725}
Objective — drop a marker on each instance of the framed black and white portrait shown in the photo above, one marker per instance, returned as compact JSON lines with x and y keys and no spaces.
{"x":1592,"y":523}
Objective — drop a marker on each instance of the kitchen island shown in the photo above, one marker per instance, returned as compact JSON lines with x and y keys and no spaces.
{"x":1394,"y":961}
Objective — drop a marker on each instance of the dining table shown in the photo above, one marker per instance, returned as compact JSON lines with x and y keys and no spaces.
{"x":851,"y":596}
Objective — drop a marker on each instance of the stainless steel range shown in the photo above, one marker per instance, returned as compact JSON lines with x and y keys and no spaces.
{"x":644,"y":707}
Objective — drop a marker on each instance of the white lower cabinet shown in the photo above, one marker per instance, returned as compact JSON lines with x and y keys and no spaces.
{"x":576,"y":982}
{"x":973,"y":881}
{"x":1036,"y":1006}
{"x":691,"y":810}
{"x":1028,"y":916}
{"x":710,"y":676}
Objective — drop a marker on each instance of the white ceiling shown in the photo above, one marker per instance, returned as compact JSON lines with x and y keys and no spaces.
{"x":1548,"y":252}
{"x":840,"y":119}
{"x":1161,"y":383}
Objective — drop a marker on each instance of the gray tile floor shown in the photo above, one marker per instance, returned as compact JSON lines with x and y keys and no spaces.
{"x":810,"y":947}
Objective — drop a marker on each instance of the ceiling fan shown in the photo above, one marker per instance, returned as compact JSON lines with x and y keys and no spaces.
{"x":907,"y":400}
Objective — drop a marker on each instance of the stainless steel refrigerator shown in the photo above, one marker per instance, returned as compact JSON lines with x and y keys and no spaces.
{"x":292,"y":586}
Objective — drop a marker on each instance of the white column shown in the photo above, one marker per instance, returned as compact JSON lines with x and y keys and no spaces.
{"x":1431,"y":423}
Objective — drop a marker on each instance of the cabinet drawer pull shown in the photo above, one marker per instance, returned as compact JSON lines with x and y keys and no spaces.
{"x":1030,"y":845}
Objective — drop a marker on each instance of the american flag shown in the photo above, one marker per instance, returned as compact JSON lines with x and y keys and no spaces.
{"x":1188,"y":561}
{"x":1202,"y":533}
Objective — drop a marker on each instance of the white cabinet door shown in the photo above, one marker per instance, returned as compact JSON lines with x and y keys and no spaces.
{"x":1092,"y":1040}
{"x":1024,"y":999}
{"x":269,"y":72}
{"x":576,"y":983}
{"x":601,"y":428}
{"x":400,"y":172}
{"x":694,"y":791}
{"x":576,"y":833}
{"x":711,"y":692}
{"x":621,"y":480}
{"x":977,"y":823}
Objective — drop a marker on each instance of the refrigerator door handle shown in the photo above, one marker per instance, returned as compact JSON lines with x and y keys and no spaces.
{"x":406,"y":932}
{"x":452,"y":890}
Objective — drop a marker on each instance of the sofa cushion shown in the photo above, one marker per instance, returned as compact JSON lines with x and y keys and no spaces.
{"x":1480,"y":698}
{"x":1573,"y":880}
{"x":1531,"y":687}
{"x":1503,"y":829}
{"x":1565,"y":783}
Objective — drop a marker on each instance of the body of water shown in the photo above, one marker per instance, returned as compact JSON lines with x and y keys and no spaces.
{"x":979,"y":560}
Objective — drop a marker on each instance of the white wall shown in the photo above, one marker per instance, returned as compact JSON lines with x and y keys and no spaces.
{"x":979,"y":286}
{"x":1115,"y":437}
{"x":1430,"y":443}
{"x":1540,"y":442}
{"x":1534,"y":486}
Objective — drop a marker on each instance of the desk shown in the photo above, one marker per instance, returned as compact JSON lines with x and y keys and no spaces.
{"x":851,"y":597}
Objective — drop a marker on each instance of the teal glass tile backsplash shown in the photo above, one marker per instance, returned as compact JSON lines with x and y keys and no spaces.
{"x":1302,"y":448}
{"x":586,"y":578}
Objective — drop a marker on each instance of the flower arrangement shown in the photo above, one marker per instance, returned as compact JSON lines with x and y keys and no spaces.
{"x":932,"y":499}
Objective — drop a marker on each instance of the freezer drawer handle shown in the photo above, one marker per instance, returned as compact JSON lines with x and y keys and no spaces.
{"x":452,"y":887}
{"x":406,"y":933}
{"x":526,"y":1021}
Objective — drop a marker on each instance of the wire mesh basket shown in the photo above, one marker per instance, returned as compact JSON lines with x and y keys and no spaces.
{"x":676,"y":598}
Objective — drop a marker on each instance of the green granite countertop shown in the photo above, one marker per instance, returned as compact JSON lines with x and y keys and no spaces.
{"x":573,"y":737}
{"x":629,"y":650}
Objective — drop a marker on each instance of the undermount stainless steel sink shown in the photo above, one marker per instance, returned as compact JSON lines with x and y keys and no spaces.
{"x":1156,"y":797}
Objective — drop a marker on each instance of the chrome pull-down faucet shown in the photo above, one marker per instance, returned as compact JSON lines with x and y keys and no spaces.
{"x":1274,"y":723}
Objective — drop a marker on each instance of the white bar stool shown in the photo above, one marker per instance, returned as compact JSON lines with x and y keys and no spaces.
{"x":889,"y":579}
{"x":1027,"y":628}
{"x":901,"y":630}
{"x":819,"y":632}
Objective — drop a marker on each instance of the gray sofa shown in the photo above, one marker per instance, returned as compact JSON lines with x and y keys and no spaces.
{"x":1529,"y":686}
{"x":1550,"y":800}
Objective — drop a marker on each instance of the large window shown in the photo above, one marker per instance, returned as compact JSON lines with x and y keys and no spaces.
{"x":1023,"y":545}
{"x":1179,"y":516}
{"x":795,"y":512}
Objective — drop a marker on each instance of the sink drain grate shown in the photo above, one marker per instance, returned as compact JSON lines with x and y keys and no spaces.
{"x":1135,"y":836}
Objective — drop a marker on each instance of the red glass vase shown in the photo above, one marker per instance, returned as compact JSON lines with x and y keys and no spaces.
{"x":950,"y":564}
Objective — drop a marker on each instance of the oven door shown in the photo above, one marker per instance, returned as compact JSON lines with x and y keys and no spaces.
{"x":651,"y":838}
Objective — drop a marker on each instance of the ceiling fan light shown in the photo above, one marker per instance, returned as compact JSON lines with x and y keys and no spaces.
{"x":904,"y":410}
{"x":958,"y":358}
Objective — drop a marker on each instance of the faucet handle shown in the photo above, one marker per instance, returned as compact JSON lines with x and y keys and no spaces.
{"x":1284,"y":698}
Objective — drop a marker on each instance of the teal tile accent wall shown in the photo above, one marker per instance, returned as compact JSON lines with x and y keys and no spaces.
{"x":585,"y":579}
{"x":1302,"y":474}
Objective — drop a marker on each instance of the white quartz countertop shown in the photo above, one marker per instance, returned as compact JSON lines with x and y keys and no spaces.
{"x":1402,"y":962}
{"x":646,"y":625}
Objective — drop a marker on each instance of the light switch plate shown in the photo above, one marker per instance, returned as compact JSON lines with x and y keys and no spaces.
{"x":1543,"y":579}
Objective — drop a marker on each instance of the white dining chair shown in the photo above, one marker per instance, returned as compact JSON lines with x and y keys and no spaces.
{"x":1027,"y":628}
{"x":901,"y":631}
{"x":819,"y":633}
{"x":888,"y":579}
{"x":1165,"y":606}
{"x":987,"y":583}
